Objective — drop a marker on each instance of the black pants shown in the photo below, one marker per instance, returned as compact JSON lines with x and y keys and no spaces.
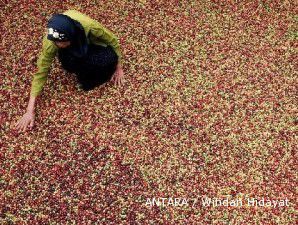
{"x":95,"y":69}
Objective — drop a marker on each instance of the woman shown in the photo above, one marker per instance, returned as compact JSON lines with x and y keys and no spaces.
{"x":84,"y":48}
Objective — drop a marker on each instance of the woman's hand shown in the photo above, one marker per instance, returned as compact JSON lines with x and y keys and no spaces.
{"x":27,"y":119}
{"x":118,"y":76}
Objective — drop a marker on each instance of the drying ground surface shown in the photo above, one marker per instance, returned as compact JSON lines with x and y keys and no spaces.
{"x":208,"y":109}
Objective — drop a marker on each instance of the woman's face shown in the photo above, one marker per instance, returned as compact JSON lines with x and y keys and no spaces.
{"x":62,"y":44}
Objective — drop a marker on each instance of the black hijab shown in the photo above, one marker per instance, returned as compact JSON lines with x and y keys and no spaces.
{"x":63,"y":28}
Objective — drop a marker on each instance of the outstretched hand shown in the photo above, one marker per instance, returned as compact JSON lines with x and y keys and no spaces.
{"x":27,"y":120}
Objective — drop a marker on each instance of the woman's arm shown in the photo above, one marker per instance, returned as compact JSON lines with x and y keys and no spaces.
{"x":39,"y":78}
{"x":97,"y":30}
{"x":44,"y":62}
{"x":31,"y":104}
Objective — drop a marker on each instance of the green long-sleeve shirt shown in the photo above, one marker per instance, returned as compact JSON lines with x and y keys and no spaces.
{"x":96,"y":33}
